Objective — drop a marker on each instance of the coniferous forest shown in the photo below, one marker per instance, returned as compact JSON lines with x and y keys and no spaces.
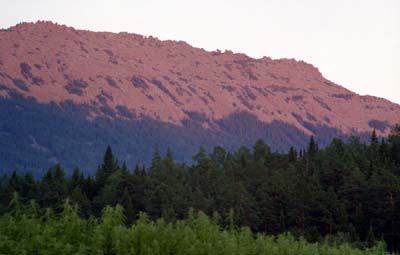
{"x":341,"y":199}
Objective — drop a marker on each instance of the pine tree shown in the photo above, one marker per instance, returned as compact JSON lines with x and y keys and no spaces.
{"x":200,"y":156}
{"x":124,"y":170}
{"x":77,"y":180}
{"x":394,"y":139}
{"x":126,"y":202}
{"x":373,"y":153}
{"x":312,"y":147}
{"x":108,"y":167}
{"x":156,"y":160}
{"x":53,"y":188}
{"x":29,"y":187}
{"x":218,"y":155}
{"x":292,"y":155}
{"x":261,"y":150}
{"x":109,"y":163}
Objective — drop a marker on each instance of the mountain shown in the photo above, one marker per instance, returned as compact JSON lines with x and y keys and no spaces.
{"x":65,"y":94}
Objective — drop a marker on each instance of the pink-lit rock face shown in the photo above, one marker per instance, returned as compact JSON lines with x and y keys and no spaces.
{"x":136,"y":77}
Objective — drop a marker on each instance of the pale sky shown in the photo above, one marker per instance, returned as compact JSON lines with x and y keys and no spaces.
{"x":355,"y":43}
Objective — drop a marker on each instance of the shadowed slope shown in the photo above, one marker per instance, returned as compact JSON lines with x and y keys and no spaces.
{"x":133,"y":92}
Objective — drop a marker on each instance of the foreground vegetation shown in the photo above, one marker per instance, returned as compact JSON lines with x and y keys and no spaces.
{"x":67,"y":233}
{"x":348,"y":192}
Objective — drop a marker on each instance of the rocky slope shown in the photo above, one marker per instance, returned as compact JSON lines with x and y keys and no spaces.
{"x":130,"y":78}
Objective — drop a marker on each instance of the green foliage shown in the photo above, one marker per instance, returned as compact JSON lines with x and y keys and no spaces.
{"x":346,"y":193}
{"x":67,"y":233}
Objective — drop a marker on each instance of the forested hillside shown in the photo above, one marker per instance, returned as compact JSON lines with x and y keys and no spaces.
{"x":65,"y":94}
{"x":34,"y":136}
{"x":346,"y":192}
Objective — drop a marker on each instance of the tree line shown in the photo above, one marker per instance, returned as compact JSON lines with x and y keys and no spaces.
{"x":347,"y":190}
{"x":29,"y":231}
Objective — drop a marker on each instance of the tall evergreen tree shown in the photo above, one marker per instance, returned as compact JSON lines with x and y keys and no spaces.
{"x":156,"y":160}
{"x":292,"y":155}
{"x":261,"y":150}
{"x":312,"y":148}
{"x":394,"y":138}
{"x":107,"y":168}
{"x":53,"y":188}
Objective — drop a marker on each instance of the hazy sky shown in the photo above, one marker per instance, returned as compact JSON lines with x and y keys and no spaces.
{"x":355,"y":43}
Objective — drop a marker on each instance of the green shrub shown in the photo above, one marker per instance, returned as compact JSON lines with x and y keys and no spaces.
{"x":29,"y":232}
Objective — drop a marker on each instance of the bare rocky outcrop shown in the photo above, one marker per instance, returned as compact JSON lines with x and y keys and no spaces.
{"x":172,"y":81}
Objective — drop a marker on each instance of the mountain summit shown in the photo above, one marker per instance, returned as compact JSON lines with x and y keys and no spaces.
{"x":74,"y":91}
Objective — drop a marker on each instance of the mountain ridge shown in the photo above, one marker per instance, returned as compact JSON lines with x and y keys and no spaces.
{"x":161,"y":82}
{"x":127,"y":79}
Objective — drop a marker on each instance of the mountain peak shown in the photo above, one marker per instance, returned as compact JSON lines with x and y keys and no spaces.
{"x":38,"y":25}
{"x":169,"y":80}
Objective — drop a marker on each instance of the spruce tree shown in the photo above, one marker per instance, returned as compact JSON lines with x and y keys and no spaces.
{"x":107,"y":168}
{"x":292,"y":155}
{"x":53,"y":188}
{"x":261,"y":150}
{"x":156,"y":160}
